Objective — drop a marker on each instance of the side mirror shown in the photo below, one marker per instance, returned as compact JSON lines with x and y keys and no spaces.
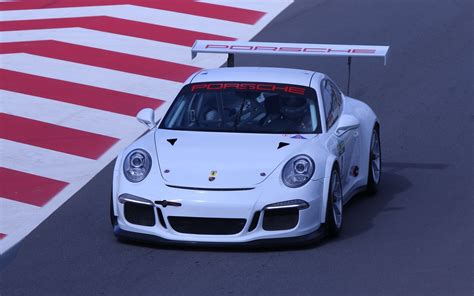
{"x":147,"y":117}
{"x":347,"y":123}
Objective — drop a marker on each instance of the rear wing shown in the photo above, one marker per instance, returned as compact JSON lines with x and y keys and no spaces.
{"x":291,"y":49}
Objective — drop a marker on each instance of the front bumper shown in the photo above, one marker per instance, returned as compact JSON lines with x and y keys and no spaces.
{"x":306,"y":239}
{"x":216,"y":205}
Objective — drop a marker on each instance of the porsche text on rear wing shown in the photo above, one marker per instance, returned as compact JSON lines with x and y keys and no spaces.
{"x":292,"y":49}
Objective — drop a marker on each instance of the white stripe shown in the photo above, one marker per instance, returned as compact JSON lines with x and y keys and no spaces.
{"x":139,"y":14}
{"x":44,"y":162}
{"x":80,"y":179}
{"x":119,"y":43}
{"x":69,"y":115}
{"x":267,"y":6}
{"x":271,"y":8}
{"x":89,"y":75}
{"x":14,"y":216}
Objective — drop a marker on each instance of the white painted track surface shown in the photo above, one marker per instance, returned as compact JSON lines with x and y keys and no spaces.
{"x":68,"y":96}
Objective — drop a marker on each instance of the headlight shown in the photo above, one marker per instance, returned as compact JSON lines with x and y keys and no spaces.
{"x":137,"y":165}
{"x":298,"y":171}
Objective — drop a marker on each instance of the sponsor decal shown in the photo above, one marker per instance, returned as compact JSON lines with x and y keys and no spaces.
{"x":249,"y":86}
{"x":354,"y":171}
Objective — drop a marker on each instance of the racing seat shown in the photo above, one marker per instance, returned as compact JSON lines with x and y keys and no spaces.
{"x":272,"y":110}
{"x":293,"y":110}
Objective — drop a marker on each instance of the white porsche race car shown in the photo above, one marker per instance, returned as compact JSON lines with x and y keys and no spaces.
{"x":249,"y":155}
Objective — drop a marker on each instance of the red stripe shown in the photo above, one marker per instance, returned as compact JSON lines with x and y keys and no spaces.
{"x":102,"y":58}
{"x":27,"y":188}
{"x":54,"y":137}
{"x":116,"y":26}
{"x":216,"y":11}
{"x":74,"y":93}
{"x":2,"y":235}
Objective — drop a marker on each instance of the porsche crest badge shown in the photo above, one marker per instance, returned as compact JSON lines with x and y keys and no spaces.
{"x":212,"y":176}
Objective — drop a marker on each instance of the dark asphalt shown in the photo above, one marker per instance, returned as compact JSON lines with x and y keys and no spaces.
{"x":414,"y":238}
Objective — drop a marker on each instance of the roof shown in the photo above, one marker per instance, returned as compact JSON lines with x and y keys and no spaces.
{"x":257,"y":74}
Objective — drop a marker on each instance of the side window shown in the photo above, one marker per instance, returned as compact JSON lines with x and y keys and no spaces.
{"x":337,"y":98}
{"x":326,"y":94}
{"x":332,"y":101}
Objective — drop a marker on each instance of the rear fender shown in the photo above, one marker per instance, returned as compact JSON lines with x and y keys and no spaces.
{"x":367,"y":119}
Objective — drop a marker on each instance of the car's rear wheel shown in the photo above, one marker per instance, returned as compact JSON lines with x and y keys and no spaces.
{"x":375,"y":163}
{"x":334,"y":207}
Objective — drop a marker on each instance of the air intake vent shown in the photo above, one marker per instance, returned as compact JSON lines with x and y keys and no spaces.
{"x":216,"y":226}
{"x":139,"y":214}
{"x":280,"y":219}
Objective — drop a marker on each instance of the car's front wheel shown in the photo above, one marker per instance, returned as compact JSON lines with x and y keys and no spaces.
{"x":375,"y":162}
{"x":334,"y":207}
{"x":113,"y":218}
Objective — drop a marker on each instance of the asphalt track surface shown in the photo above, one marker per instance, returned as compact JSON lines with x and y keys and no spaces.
{"x":414,"y":238}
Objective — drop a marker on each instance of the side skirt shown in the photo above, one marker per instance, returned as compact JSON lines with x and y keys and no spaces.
{"x":351,"y":193}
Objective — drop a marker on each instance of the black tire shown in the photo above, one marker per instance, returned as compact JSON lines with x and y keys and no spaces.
{"x":372,"y":182}
{"x":332,"y":228}
{"x":113,"y":218}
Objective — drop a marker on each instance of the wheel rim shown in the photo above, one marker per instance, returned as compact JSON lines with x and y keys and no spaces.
{"x":336,"y":193}
{"x":375,"y":158}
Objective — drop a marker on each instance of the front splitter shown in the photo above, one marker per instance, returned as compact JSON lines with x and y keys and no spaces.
{"x":306,"y":239}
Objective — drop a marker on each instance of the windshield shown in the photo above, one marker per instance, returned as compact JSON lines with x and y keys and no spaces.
{"x":245,"y":108}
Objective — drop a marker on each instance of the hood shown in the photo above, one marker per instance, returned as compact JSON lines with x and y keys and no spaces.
{"x":221,"y":160}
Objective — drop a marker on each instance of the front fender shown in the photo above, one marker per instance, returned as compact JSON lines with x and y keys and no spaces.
{"x":145,"y":142}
